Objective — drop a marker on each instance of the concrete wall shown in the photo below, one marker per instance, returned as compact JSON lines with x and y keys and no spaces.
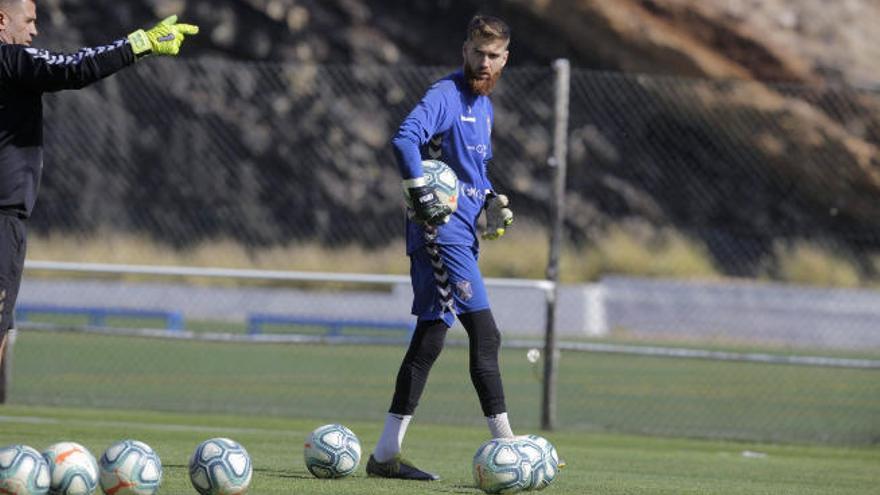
{"x":650,"y":308}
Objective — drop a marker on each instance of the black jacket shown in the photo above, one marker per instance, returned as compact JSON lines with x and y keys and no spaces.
{"x":25,"y":74}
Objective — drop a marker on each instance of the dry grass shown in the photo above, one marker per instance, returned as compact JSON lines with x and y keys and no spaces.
{"x":813,"y":265}
{"x":120,"y":248}
{"x":626,"y":249}
{"x":639,"y":250}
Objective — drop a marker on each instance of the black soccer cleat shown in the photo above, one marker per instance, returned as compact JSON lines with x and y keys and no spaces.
{"x":398,"y":468}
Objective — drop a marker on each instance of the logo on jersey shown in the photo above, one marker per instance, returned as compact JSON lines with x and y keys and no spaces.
{"x":474,"y":192}
{"x":76,"y":58}
{"x":464,"y":290}
{"x":481,"y":149}
{"x":469,"y":118}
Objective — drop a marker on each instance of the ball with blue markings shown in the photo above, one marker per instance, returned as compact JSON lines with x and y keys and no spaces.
{"x":130,"y":467}
{"x":73,"y":470}
{"x":545,"y":467}
{"x":23,"y":471}
{"x":332,"y":451}
{"x":504,"y":465}
{"x":442,"y":179}
{"x":220,"y":466}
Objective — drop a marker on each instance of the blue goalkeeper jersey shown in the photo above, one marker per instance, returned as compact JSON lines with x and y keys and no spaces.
{"x":453,"y":125}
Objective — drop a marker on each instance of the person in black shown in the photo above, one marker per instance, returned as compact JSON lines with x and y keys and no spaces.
{"x":25,"y":74}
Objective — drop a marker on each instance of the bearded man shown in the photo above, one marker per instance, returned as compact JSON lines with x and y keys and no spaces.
{"x":452,"y":123}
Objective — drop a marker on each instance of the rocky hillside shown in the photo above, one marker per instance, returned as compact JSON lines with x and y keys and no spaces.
{"x":781,"y":40}
{"x":803,"y":142}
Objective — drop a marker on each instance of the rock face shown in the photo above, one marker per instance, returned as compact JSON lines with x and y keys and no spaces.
{"x":776,"y":40}
{"x":807,"y":41}
{"x":766,"y":138}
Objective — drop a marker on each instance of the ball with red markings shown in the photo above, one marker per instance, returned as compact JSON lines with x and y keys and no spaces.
{"x":23,"y":471}
{"x":73,"y":470}
{"x":332,"y":451}
{"x":442,"y":179}
{"x":130,"y":467}
{"x":504,"y":465}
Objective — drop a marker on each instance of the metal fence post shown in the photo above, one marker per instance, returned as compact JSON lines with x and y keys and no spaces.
{"x":558,"y":162}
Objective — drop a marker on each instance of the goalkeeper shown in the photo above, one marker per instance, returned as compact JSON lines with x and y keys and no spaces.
{"x":452,"y":123}
{"x":25,"y":74}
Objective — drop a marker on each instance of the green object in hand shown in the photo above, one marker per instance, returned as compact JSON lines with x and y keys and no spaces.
{"x":163,"y":39}
{"x":498,"y":216}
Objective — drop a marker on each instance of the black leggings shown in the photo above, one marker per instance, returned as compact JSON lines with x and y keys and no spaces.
{"x":424,"y":348}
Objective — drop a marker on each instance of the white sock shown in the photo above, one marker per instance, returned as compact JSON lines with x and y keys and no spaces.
{"x":499,"y":426}
{"x":392,"y":436}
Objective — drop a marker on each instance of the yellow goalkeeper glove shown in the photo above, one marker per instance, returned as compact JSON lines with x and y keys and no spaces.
{"x":163,"y":39}
{"x":498,"y":216}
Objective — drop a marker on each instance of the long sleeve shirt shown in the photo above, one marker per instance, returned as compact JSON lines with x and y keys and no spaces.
{"x":453,"y":125}
{"x":25,"y":74}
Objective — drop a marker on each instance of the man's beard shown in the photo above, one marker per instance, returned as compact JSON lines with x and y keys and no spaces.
{"x":480,"y":86}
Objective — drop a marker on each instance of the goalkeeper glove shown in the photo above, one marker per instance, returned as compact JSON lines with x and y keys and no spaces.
{"x":498,"y":216}
{"x":426,"y":207}
{"x":163,"y":39}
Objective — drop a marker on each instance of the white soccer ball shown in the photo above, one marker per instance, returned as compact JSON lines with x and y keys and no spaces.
{"x":23,"y":471}
{"x":546,"y":467}
{"x":503,"y":465}
{"x":130,"y":467}
{"x":72,"y":469}
{"x":332,"y":451}
{"x":442,"y":179}
{"x":220,"y":466}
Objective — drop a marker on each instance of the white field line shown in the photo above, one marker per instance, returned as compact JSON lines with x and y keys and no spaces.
{"x":39,"y":420}
{"x":653,"y":351}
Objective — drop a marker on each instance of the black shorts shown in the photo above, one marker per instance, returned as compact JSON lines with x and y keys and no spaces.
{"x":12,"y":248}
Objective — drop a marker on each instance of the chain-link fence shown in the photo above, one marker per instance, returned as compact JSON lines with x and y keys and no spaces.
{"x":291,"y":166}
{"x":262,"y":154}
{"x":745,"y":168}
{"x":750,"y":176}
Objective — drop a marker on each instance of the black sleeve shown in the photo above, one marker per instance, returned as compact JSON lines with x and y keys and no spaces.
{"x":45,"y":71}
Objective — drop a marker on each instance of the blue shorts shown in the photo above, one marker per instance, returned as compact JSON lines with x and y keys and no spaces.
{"x":465,"y":283}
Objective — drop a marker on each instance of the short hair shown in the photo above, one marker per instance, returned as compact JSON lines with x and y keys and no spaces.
{"x":487,"y":27}
{"x":7,"y":3}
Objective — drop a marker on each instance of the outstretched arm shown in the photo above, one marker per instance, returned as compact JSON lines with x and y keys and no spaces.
{"x":45,"y":71}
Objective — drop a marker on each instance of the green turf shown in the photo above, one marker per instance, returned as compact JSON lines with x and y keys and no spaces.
{"x":598,"y":463}
{"x":596,"y":392}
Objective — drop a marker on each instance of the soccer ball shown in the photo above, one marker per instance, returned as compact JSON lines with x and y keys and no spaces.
{"x":23,"y":471}
{"x":220,"y":466}
{"x":442,"y":179}
{"x":332,"y":451}
{"x":72,"y":469}
{"x":503,"y":465}
{"x":129,"y":467}
{"x":546,"y":467}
